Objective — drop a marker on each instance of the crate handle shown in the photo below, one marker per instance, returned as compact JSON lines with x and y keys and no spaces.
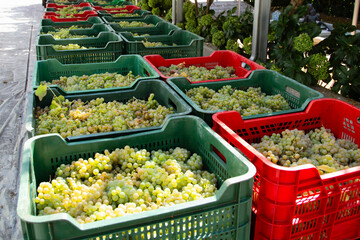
{"x":358,"y":120}
{"x":217,"y":152}
{"x":293,"y":92}
{"x":246,"y":66}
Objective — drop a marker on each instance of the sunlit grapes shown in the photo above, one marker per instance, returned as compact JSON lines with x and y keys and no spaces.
{"x":123,"y":182}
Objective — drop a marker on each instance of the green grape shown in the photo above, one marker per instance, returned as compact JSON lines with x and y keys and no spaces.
{"x":126,"y":24}
{"x":126,"y":15}
{"x":64,"y":34}
{"x":319,"y":147}
{"x":195,"y":73}
{"x":69,"y":10}
{"x":249,"y":102}
{"x":73,"y":118}
{"x":155,"y":44}
{"x":94,"y":81}
{"x":125,"y":181}
{"x":70,"y":46}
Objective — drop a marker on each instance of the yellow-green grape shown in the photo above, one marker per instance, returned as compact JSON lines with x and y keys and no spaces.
{"x":155,"y":44}
{"x":249,"y":102}
{"x":140,"y":35}
{"x":195,"y":73}
{"x":126,"y":15}
{"x":94,"y":81}
{"x":318,"y":147}
{"x":125,"y":181}
{"x":73,"y":118}
{"x":126,"y":24}
{"x":70,"y":46}
{"x":69,"y":10}
{"x":64,"y":34}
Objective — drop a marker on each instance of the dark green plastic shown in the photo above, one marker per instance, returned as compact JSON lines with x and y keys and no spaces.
{"x":112,"y":3}
{"x":52,"y":69}
{"x":296,"y":94}
{"x":142,"y":13}
{"x":106,"y":47}
{"x":155,"y":20}
{"x":226,"y":216}
{"x":141,"y":90}
{"x":187,"y":43}
{"x":85,"y":24}
{"x":94,"y":31}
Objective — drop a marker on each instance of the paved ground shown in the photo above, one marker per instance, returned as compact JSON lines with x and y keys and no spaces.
{"x":19,"y":23}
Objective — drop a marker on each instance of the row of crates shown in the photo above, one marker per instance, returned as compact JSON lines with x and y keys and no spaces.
{"x":286,"y":203}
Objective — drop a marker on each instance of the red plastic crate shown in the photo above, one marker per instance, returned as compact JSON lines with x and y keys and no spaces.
{"x":77,"y":17}
{"x":224,"y":58}
{"x":298,"y":202}
{"x":128,"y":8}
{"x":58,"y":6}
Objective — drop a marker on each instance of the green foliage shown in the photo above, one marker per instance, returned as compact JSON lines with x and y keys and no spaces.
{"x":156,"y":11}
{"x":181,"y":25}
{"x":157,"y":7}
{"x":232,"y":45}
{"x":247,"y":45}
{"x":206,"y":20}
{"x":303,"y":43}
{"x":218,"y":39}
{"x":319,"y":66}
{"x":168,"y":16}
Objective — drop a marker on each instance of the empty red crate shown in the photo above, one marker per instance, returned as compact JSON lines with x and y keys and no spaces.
{"x":224,"y":58}
{"x":77,"y":17}
{"x":58,"y":6}
{"x":298,"y":202}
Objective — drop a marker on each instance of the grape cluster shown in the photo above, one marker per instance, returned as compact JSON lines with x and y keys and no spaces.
{"x":115,"y":6}
{"x":69,"y":10}
{"x":195,"y":73}
{"x":155,"y":44}
{"x":94,"y":81}
{"x":64,"y":34}
{"x":249,"y":102}
{"x":73,"y":118}
{"x":123,"y":182}
{"x":126,"y":24}
{"x":319,"y":147}
{"x":70,"y":46}
{"x":140,"y":35}
{"x":126,"y":15}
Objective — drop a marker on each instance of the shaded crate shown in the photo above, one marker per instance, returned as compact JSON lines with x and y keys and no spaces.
{"x":91,"y":32}
{"x":141,"y":90}
{"x":88,"y":23}
{"x":109,"y":3}
{"x":296,"y":94}
{"x":106,"y":47}
{"x":141,"y":14}
{"x":223,"y":58}
{"x":149,"y":19}
{"x":52,"y":69}
{"x":226,"y":216}
{"x":55,"y":5}
{"x":298,"y":202}
{"x":180,"y":44}
{"x":76,"y":17}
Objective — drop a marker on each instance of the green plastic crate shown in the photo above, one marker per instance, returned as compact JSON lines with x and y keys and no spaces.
{"x":187,"y":43}
{"x":113,"y":22}
{"x":94,"y":31}
{"x":226,"y":216}
{"x":69,"y":2}
{"x":296,"y":94}
{"x":109,"y":3}
{"x":85,"y":24}
{"x":142,"y":13}
{"x":107,"y":47}
{"x":52,"y":69}
{"x":141,"y":90}
{"x":55,"y":9}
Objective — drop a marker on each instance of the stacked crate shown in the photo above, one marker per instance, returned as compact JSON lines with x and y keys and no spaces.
{"x":110,"y":49}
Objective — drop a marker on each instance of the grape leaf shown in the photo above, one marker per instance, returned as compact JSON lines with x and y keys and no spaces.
{"x":41,"y":91}
{"x":54,"y":104}
{"x":326,"y":168}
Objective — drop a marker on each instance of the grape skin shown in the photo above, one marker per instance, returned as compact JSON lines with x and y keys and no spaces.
{"x":65,"y":34}
{"x":319,"y":147}
{"x":126,"y":24}
{"x":123,"y":182}
{"x":73,"y":118}
{"x":70,"y":46}
{"x":195,"y":74}
{"x":249,"y":102}
{"x":94,"y":81}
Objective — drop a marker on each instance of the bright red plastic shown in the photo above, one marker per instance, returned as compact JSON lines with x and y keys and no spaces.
{"x":298,"y":202}
{"x":77,"y":17}
{"x":128,"y":8}
{"x":224,"y":58}
{"x":57,"y":6}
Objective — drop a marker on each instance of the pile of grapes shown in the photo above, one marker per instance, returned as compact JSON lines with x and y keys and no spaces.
{"x":249,"y":102}
{"x":114,"y":6}
{"x":73,"y":118}
{"x":195,"y":74}
{"x":126,"y":24}
{"x":126,"y":15}
{"x":94,"y":81}
{"x":318,"y":147}
{"x":65,"y":34}
{"x":69,"y":10}
{"x":140,"y":35}
{"x":155,"y":44}
{"x":123,"y":182}
{"x":70,"y":46}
